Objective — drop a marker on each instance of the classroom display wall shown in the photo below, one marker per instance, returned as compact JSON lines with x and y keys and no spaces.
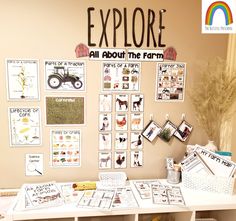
{"x":51,"y":29}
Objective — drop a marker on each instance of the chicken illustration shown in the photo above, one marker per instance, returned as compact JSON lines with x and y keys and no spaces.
{"x":120,"y":159}
{"x":121,"y":123}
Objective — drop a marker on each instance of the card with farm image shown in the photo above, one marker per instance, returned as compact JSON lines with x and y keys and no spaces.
{"x":104,"y":160}
{"x":105,"y":102}
{"x":105,"y":141}
{"x":120,"y":159}
{"x":137,"y":102}
{"x":105,"y":120}
{"x":122,"y":102}
{"x":136,"y":121}
{"x":136,"y":158}
{"x":121,"y":121}
{"x":121,"y":140}
{"x":136,"y":140}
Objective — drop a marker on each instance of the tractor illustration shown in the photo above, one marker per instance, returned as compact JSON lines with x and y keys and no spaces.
{"x":62,"y":75}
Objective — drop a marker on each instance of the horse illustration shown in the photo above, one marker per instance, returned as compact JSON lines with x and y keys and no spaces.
{"x":121,"y":103}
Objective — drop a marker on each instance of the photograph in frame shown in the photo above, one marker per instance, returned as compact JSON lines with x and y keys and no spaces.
{"x":167,"y":131}
{"x":151,"y":131}
{"x":65,"y":110}
{"x":183,"y":131}
{"x":22,"y":79}
{"x":25,"y":126}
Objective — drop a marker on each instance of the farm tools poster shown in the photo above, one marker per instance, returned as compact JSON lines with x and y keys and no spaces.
{"x":22,"y":79}
{"x":65,"y":110}
{"x":65,"y":148}
{"x":24,"y":125}
{"x":64,"y":75}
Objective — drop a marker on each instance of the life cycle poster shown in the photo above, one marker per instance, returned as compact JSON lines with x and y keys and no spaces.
{"x":121,"y":76}
{"x":64,"y":75}
{"x":65,"y":110}
{"x":22,"y":79}
{"x":65,"y":148}
{"x":24,"y":126}
{"x":34,"y":164}
{"x":170,"y":81}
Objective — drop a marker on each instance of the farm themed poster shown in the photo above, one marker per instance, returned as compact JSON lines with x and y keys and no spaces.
{"x":65,"y":146}
{"x":64,"y":75}
{"x":121,"y":76}
{"x":34,"y":164}
{"x":22,"y":79}
{"x":65,"y":110}
{"x":170,"y":81}
{"x":24,"y":126}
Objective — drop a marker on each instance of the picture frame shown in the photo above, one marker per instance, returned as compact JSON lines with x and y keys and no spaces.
{"x":136,"y":159}
{"x":151,"y":131}
{"x":121,"y":140}
{"x":65,"y":75}
{"x":105,"y":141}
{"x":22,"y":79}
{"x":105,"y":160}
{"x":105,"y":102}
{"x":120,"y":159}
{"x":105,"y":122}
{"x":121,"y":122}
{"x":25,"y":126}
{"x":183,"y":131}
{"x":137,"y":102}
{"x":136,"y":121}
{"x":167,"y":131}
{"x":122,"y":102}
{"x":136,"y":140}
{"x":65,"y":148}
{"x":65,"y":110}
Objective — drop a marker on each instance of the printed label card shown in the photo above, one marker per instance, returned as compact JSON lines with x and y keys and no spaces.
{"x":22,"y":79}
{"x":34,"y":164}
{"x":136,"y":121}
{"x":105,"y":160}
{"x":121,"y":141}
{"x":122,"y":102}
{"x":64,"y":75}
{"x":105,"y":141}
{"x":136,"y":140}
{"x":65,"y":148}
{"x":120,"y":159}
{"x":136,"y":158}
{"x":105,"y":102}
{"x":137,"y":102}
{"x":121,"y":76}
{"x":105,"y":122}
{"x":25,"y":126}
{"x":170,"y":81}
{"x":121,"y":121}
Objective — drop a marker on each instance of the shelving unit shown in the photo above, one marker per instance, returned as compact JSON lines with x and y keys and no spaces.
{"x":199,"y":204}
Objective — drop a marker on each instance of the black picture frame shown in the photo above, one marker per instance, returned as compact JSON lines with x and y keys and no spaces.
{"x":151,"y":131}
{"x":183,"y":131}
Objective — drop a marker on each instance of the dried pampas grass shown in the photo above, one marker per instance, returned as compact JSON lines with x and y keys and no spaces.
{"x":213,"y":97}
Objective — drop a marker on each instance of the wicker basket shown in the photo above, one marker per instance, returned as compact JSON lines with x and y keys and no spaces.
{"x":208,"y":183}
{"x":112,"y":179}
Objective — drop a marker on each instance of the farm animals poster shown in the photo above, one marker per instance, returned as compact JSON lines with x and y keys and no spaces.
{"x":170,"y":81}
{"x":65,"y":146}
{"x":22,"y":79}
{"x":25,"y":126}
{"x":65,"y":75}
{"x":121,"y":76}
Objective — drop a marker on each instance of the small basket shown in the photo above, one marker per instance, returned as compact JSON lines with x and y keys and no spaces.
{"x":210,"y":183}
{"x":112,"y":179}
